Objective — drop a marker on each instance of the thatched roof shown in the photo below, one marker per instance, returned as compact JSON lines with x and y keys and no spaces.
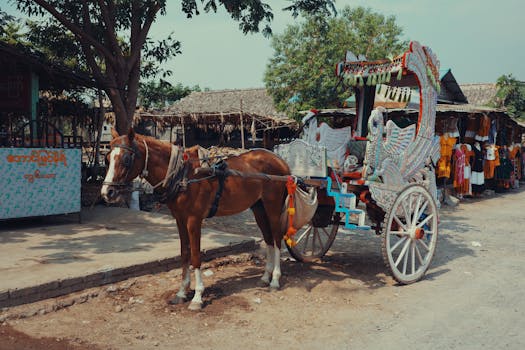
{"x":252,"y":101}
{"x":481,"y":94}
{"x":225,"y":106}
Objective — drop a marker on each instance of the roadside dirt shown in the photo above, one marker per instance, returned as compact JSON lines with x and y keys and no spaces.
{"x":471,"y":298}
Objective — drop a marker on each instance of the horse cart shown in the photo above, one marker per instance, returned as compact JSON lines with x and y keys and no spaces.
{"x":373,"y":175}
{"x":387,"y":178}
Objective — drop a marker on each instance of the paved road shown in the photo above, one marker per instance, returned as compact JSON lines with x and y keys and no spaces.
{"x":474,"y":294}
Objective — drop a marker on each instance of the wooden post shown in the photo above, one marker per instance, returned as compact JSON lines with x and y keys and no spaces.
{"x":183,"y":132}
{"x":242,"y":128}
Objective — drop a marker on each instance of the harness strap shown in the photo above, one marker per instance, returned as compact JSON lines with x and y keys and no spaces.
{"x":220,"y":171}
{"x":174,"y":167}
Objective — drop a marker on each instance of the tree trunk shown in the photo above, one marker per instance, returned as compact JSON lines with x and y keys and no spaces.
{"x":100,"y":124}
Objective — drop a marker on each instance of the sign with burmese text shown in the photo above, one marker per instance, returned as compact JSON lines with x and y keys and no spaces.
{"x":39,"y":181}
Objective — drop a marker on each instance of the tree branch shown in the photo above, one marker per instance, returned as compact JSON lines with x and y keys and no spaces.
{"x":138,"y":40}
{"x":111,"y":34}
{"x":82,"y":35}
{"x":92,"y":63}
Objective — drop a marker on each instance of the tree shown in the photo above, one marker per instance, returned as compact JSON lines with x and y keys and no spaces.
{"x":300,"y":75}
{"x":511,"y":95}
{"x":112,"y":36}
{"x":157,"y":95}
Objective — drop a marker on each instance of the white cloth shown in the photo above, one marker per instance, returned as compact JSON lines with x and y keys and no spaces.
{"x":477,"y":178}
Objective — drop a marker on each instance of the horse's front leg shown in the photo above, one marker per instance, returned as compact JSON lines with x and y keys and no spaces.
{"x":181,"y":296}
{"x":194,"y":231}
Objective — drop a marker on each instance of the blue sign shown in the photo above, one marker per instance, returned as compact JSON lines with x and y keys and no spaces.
{"x":39,"y":181}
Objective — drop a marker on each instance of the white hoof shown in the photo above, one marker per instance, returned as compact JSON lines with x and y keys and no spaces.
{"x":195,"y":306}
{"x":274,"y":286}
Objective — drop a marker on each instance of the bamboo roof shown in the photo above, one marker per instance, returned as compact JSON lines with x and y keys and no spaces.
{"x":224,"y":106}
{"x":481,"y":94}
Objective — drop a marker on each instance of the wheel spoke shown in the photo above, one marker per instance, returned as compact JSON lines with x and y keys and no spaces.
{"x":403,"y":253}
{"x":422,"y":223}
{"x":421,"y":211}
{"x":416,"y":210}
{"x":418,"y":253}
{"x":407,"y":211}
{"x":398,"y":243}
{"x":413,"y":256}
{"x":424,"y":245}
{"x":306,"y":233}
{"x":316,"y":234}
{"x":398,"y":221}
{"x":405,"y":260}
{"x":399,"y":233}
{"x":305,"y":247}
{"x":324,"y":231}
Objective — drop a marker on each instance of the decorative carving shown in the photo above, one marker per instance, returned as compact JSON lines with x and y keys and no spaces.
{"x":303,"y":158}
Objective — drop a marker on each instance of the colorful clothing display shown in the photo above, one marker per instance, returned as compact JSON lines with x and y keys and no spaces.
{"x":463,"y":155}
{"x":493,"y":132}
{"x":452,"y":127}
{"x":445,"y":162}
{"x":478,"y":176}
{"x":491,"y":160}
{"x":471,"y":129}
{"x":484,"y":128}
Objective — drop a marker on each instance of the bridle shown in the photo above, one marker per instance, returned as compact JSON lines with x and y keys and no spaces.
{"x":176,"y":173}
{"x":128,"y":159}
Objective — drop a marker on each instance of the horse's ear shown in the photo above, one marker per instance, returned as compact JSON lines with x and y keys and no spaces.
{"x":131,"y":134}
{"x":114,"y":133}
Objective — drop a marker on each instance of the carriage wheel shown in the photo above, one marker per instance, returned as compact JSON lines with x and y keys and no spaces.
{"x":313,"y":242}
{"x":410,"y":234}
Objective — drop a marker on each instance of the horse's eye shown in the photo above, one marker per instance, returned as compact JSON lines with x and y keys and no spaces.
{"x":126,"y":160}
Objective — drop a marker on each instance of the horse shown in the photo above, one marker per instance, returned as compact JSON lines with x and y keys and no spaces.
{"x":193,"y":197}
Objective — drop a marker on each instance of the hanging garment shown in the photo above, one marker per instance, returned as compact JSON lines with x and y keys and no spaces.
{"x":484,"y":127}
{"x":465,"y":187}
{"x":452,"y":127}
{"x":440,"y":126}
{"x":445,"y":162}
{"x":471,"y":129}
{"x":493,"y":132}
{"x":478,"y":175}
{"x":491,"y":161}
{"x":459,"y":167}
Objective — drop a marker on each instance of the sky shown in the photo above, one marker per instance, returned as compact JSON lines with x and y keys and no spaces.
{"x":480,"y":40}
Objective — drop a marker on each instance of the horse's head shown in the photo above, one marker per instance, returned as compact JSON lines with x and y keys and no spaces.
{"x":123,"y":167}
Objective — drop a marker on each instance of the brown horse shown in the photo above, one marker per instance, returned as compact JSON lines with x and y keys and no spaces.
{"x":191,"y":197}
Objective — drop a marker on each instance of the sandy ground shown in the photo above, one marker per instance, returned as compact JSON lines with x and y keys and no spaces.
{"x":471,"y":298}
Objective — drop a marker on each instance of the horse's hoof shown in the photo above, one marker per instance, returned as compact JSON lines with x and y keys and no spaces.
{"x":273,"y":288}
{"x":195,"y":306}
{"x":177,"y":300}
{"x":263,"y":283}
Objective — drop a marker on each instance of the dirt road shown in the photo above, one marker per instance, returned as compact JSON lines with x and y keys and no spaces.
{"x":471,"y":298}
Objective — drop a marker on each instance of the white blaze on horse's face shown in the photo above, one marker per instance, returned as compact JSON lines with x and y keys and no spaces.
{"x":110,"y":175}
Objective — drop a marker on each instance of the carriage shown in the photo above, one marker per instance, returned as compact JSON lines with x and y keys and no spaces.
{"x":371,"y":175}
{"x":391,"y":183}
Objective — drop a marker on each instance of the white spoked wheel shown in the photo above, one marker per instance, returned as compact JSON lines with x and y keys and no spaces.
{"x":313,"y":242}
{"x":410,"y":234}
